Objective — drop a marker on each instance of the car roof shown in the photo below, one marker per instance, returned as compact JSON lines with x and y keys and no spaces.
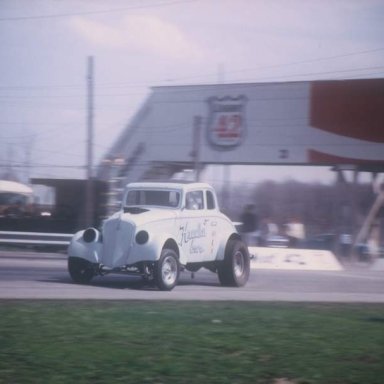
{"x":169,"y":185}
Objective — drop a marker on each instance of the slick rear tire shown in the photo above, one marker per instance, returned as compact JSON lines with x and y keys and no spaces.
{"x":167,"y":270}
{"x":234,"y":270}
{"x":80,"y":270}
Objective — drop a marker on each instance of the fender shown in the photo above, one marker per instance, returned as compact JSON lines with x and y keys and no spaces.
{"x":88,"y":251}
{"x":152,"y":249}
{"x":223,"y":245}
{"x":163,"y":238}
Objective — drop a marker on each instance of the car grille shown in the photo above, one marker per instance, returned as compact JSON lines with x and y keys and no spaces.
{"x":117,"y":241}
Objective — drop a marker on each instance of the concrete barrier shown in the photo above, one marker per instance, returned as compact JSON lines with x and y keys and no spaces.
{"x":378,"y":265}
{"x":295,"y":259}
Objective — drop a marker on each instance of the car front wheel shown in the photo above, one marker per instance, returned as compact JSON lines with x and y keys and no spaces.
{"x":234,"y":270}
{"x":167,"y":270}
{"x":80,"y":270}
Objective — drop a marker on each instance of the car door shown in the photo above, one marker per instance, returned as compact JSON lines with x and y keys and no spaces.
{"x":194,"y":228}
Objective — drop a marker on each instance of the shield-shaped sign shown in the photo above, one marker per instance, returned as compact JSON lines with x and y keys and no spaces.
{"x":226,"y":121}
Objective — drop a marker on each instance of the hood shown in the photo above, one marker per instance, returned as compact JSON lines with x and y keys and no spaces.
{"x":140,"y":216}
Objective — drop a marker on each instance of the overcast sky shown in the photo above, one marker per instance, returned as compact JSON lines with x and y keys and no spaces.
{"x":136,"y":44}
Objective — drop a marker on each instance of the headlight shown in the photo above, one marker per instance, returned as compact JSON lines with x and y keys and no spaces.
{"x":90,"y":235}
{"x":142,"y":237}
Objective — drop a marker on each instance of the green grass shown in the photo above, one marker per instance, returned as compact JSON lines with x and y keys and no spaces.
{"x":182,"y":342}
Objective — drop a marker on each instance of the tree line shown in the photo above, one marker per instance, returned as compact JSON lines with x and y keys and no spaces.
{"x":338,"y":208}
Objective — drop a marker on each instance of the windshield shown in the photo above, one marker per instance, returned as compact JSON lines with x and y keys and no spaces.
{"x":162,"y":198}
{"x":11,"y":198}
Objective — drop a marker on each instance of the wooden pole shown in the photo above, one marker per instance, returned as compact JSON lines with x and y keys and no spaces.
{"x":89,"y":196}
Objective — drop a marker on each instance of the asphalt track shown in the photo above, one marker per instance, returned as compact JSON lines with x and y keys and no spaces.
{"x":32,"y":275}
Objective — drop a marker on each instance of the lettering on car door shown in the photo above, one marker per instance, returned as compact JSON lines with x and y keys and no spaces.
{"x":193,"y":236}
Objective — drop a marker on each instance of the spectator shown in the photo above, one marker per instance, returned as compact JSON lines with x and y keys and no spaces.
{"x":295,"y":232}
{"x":345,"y":244}
{"x":269,"y":230}
{"x":250,"y":223}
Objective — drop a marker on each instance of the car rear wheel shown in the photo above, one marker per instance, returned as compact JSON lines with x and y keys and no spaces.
{"x":234,"y":270}
{"x":167,"y":270}
{"x":80,"y":270}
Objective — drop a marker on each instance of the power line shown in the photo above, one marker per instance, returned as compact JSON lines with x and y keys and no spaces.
{"x":309,"y":61}
{"x":33,"y":165}
{"x":26,"y":87}
{"x":319,"y":73}
{"x":89,"y":13}
{"x":35,"y":123}
{"x":73,"y":86}
{"x":134,"y":85}
{"x":5,"y":98}
{"x":190,"y":89}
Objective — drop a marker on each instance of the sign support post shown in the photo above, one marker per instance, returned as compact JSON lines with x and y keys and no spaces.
{"x":196,"y":146}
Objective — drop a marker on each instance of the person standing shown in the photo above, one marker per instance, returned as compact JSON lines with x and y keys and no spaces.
{"x":295,"y":232}
{"x":250,"y":224}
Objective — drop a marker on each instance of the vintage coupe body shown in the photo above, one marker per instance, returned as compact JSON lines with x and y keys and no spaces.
{"x":161,"y":229}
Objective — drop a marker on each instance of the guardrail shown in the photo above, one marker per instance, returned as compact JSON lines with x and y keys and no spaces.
{"x":35,"y":238}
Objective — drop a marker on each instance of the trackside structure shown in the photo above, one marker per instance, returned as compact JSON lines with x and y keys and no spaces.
{"x":335,"y":123}
{"x":339,"y":123}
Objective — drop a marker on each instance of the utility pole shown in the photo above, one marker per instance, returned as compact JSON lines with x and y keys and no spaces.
{"x":196,"y":145}
{"x":89,"y":193}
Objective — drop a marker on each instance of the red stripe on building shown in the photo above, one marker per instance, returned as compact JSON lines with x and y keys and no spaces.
{"x":317,"y":157}
{"x":351,"y":108}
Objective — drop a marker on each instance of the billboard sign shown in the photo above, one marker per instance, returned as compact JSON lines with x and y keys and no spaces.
{"x":226,"y":121}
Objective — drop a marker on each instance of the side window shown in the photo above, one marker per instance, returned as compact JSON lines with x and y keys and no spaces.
{"x":194,"y":200}
{"x":210,"y":200}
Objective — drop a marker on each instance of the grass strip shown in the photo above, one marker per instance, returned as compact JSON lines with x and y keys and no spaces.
{"x":190,"y":342}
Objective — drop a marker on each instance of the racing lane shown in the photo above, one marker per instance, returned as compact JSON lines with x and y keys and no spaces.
{"x":31,"y":275}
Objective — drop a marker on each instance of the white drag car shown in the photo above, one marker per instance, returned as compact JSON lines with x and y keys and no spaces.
{"x":161,"y":229}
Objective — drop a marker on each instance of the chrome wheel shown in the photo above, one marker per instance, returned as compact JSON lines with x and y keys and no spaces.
{"x":238,"y":264}
{"x":234,"y":270}
{"x":169,"y":270}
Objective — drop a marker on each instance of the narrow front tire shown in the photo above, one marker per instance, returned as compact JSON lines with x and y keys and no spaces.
{"x":167,"y":270}
{"x":80,"y":270}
